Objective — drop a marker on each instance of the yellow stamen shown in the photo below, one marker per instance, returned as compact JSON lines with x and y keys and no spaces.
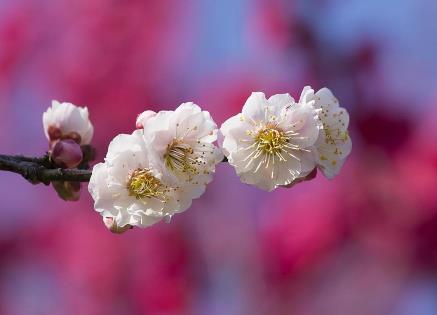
{"x":179,"y":158}
{"x":271,"y":141}
{"x":142,"y":184}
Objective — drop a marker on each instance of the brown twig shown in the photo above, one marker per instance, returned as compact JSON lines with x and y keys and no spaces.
{"x":40,"y":170}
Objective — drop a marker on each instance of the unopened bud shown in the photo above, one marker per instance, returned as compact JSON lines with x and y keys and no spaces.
{"x":69,"y":191}
{"x":73,"y":136}
{"x":144,"y":117}
{"x":66,"y":153}
{"x":54,"y":133}
{"x":113,"y":227}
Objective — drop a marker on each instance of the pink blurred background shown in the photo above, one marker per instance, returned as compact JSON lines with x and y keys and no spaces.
{"x":362,"y":244}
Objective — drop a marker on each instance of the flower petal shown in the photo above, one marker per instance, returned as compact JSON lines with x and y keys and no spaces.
{"x":255,"y":107}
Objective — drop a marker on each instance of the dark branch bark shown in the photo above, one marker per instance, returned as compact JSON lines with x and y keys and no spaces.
{"x":41,"y":170}
{"x":38,"y":170}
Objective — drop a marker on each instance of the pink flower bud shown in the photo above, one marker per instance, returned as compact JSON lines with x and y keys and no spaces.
{"x":73,"y":136}
{"x":66,"y":154}
{"x":54,"y":133}
{"x":143,"y":118}
{"x":113,"y":227}
{"x":67,"y":121}
{"x":69,"y":191}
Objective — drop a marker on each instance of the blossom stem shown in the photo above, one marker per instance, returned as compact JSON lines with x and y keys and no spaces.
{"x":40,"y":170}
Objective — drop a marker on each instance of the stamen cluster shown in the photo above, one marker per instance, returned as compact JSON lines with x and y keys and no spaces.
{"x":142,"y":184}
{"x":178,"y":158}
{"x":271,"y":141}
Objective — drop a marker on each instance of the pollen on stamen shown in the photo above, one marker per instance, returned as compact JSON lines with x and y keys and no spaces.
{"x":180,"y":158}
{"x":142,"y":184}
{"x":271,"y":143}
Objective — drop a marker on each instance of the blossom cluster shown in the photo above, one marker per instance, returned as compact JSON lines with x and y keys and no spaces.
{"x":171,"y":156}
{"x":157,"y":170}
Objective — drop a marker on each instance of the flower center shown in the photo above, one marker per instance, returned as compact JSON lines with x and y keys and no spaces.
{"x":179,"y":158}
{"x":272,"y":145}
{"x":271,"y":141}
{"x":142,"y":184}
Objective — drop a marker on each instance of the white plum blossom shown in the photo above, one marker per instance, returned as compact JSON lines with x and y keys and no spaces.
{"x":269,"y":143}
{"x":143,"y":118}
{"x":67,"y":121}
{"x":182,"y":142}
{"x":333,"y":144}
{"x":130,"y":190}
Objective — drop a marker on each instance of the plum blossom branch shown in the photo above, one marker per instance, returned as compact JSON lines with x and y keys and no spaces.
{"x":167,"y":162}
{"x":41,"y":170}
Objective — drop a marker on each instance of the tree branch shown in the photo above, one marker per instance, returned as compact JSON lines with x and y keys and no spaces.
{"x":40,"y":170}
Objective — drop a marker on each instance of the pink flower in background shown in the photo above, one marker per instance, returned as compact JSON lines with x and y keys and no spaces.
{"x":339,"y":247}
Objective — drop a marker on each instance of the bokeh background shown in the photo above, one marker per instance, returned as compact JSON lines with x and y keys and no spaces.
{"x":364,"y":243}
